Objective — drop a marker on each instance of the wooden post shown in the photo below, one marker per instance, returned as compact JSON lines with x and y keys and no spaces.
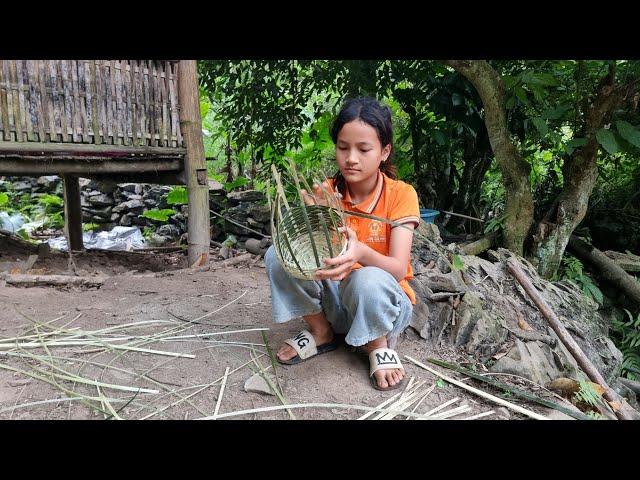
{"x":195,"y":166}
{"x":72,"y":212}
{"x":565,"y":337}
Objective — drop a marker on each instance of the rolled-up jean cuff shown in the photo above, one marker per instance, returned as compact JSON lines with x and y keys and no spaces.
{"x":295,"y":314}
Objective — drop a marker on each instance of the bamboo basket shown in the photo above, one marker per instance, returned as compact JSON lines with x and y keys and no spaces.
{"x":304,"y":235}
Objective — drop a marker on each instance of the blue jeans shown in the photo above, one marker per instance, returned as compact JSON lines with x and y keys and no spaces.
{"x":368,"y":304}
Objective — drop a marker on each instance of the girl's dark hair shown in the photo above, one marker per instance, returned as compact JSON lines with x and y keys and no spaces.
{"x":373,"y":113}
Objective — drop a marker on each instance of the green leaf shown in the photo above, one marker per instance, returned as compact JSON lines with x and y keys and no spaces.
{"x":630,"y":133}
{"x":440,"y":137}
{"x":440,"y":383}
{"x":238,"y":182}
{"x":556,"y":113}
{"x":178,"y":196}
{"x":4,"y":199}
{"x":571,"y":145}
{"x":607,"y":140}
{"x":541,"y":125}
{"x":458,"y":264}
{"x":50,"y":200}
{"x":521,"y":94}
{"x":158,"y":215}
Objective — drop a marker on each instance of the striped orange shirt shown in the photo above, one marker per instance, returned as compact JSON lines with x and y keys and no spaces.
{"x":391,"y":199}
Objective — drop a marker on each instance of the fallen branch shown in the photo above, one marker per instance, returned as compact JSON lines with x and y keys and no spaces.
{"x":480,"y":245}
{"x":514,"y":391}
{"x":21,"y":280}
{"x":480,"y":393}
{"x":635,"y":386}
{"x":609,"y":270}
{"x":623,"y":412}
{"x":627,"y":261}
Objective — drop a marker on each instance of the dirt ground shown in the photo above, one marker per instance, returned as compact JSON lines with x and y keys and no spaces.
{"x":157,"y":287}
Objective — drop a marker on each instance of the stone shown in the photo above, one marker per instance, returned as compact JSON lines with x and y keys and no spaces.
{"x":48,"y":182}
{"x":257,"y":384}
{"x":479,"y":327}
{"x":131,"y":187}
{"x":130,"y":205}
{"x":536,"y":361}
{"x":22,"y":186}
{"x":260,"y":213}
{"x":215,"y":186}
{"x":125,"y":220}
{"x":252,"y":245}
{"x":169,"y":230}
{"x":101,"y":200}
{"x":502,"y":413}
{"x":246,"y":196}
{"x":132,"y":196}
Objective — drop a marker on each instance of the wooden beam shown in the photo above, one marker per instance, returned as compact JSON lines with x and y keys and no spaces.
{"x":194,"y":165}
{"x":67,"y":149}
{"x":72,"y":212}
{"x":48,"y":166}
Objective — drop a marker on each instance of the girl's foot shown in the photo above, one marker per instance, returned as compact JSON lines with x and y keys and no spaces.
{"x":384,"y":378}
{"x":320,"y":335}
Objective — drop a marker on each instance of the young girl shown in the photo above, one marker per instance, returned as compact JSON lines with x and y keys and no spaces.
{"x":365,"y":295}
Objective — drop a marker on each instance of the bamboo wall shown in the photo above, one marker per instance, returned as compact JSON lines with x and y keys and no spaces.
{"x":108,"y":102}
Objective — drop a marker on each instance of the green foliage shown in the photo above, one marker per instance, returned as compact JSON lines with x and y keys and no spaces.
{"x":440,"y":383}
{"x":87,"y":227}
{"x":158,"y":215}
{"x":237,"y":182}
{"x":572,"y":269}
{"x":495,"y":224}
{"x":4,"y":199}
{"x":147,"y":231}
{"x":178,"y":196}
{"x":587,"y":393}
{"x":457,"y":263}
{"x":607,"y":139}
{"x":628,"y":334}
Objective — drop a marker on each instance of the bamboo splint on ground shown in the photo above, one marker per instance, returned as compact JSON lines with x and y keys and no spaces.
{"x":623,"y":412}
{"x":22,"y":280}
{"x":480,"y":393}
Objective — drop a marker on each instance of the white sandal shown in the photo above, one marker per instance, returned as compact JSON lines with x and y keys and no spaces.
{"x":305,"y":346}
{"x":384,"y":359}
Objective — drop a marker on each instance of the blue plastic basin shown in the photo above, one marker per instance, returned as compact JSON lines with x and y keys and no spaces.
{"x":428,"y":215}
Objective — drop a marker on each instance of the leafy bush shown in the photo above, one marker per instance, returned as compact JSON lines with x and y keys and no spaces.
{"x":628,"y":333}
{"x":572,"y":269}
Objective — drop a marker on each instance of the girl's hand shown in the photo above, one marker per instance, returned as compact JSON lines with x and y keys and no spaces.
{"x":321,"y":195}
{"x":342,"y":264}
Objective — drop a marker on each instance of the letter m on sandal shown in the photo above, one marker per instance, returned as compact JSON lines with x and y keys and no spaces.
{"x":386,"y":358}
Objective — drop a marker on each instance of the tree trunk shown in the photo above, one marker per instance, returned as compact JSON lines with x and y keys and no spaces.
{"x":195,"y":166}
{"x":515,"y":171}
{"x":580,"y":173}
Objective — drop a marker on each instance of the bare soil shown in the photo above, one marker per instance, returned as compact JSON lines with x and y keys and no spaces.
{"x":157,"y":286}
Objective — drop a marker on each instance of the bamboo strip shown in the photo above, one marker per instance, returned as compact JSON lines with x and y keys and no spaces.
{"x":15,"y":101}
{"x":62,"y":100}
{"x":4,"y":104}
{"x":480,"y":393}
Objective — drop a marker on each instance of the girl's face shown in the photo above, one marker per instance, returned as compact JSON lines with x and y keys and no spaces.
{"x":359,"y":152}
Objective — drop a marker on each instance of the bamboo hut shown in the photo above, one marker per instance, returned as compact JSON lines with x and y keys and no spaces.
{"x":122,"y":120}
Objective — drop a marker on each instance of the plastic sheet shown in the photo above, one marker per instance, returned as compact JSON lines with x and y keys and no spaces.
{"x":118,"y":238}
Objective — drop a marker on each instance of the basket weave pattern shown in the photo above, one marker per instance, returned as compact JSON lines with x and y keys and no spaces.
{"x":294,"y":239}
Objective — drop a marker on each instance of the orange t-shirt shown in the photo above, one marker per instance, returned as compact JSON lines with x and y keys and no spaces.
{"x":391,"y":199}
